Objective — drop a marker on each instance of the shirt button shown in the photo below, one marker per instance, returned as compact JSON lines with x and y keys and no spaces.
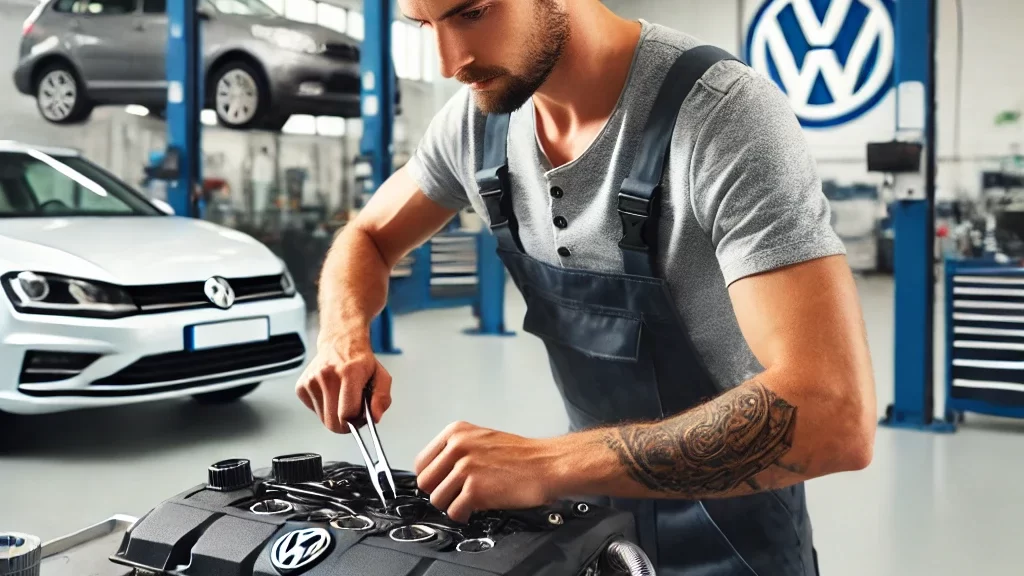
{"x":561,"y":222}
{"x":556,"y":192}
{"x":564,"y":252}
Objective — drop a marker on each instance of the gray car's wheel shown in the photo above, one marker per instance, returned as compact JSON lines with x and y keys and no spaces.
{"x":60,"y":96}
{"x":225,"y":396}
{"x":240,"y":96}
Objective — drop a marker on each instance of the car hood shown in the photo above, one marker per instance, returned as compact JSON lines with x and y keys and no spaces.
{"x":132,"y":250}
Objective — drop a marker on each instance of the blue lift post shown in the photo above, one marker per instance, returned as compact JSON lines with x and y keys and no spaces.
{"x":378,"y":113}
{"x":183,"y":159}
{"x":914,"y":223}
{"x":415,"y":292}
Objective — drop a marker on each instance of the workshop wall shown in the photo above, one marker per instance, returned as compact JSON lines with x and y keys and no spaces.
{"x":969,"y":140}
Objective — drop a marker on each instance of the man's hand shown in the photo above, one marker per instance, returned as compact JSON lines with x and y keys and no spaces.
{"x":333,"y":383}
{"x":467,"y":468}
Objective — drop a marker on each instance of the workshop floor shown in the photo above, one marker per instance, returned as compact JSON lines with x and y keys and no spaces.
{"x":928,"y":504}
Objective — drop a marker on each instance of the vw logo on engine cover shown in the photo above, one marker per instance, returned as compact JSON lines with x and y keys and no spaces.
{"x":219,"y":292}
{"x":299,"y":548}
{"x":833,"y":58}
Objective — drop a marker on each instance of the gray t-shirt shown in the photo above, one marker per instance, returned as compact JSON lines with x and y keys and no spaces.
{"x":741,"y":193}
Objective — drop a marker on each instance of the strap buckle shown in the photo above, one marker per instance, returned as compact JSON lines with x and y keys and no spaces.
{"x":492,"y":184}
{"x":491,"y":180}
{"x":636,"y":199}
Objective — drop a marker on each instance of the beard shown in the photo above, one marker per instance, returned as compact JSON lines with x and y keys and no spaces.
{"x":543,"y":51}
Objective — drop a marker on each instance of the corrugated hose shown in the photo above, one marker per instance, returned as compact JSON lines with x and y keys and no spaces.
{"x":629,"y":558}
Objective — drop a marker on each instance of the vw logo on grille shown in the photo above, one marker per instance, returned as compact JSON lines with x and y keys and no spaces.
{"x":299,"y":548}
{"x":833,"y":58}
{"x":219,"y":292}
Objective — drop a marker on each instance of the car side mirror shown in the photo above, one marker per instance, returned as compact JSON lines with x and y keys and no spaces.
{"x":162,"y":206}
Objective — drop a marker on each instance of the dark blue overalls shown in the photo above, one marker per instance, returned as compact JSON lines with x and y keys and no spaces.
{"x":619,"y":350}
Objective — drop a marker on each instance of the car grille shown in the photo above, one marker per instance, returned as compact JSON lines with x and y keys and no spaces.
{"x":209,"y":364}
{"x":342,"y":83}
{"x":188,"y":295}
{"x":49,"y":366}
{"x":345,"y":52}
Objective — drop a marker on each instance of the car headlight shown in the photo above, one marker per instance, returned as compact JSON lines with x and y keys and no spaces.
{"x":287,"y":39}
{"x":40,"y":293}
{"x":287,"y":283}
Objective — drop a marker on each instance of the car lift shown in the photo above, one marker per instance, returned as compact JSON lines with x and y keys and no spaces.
{"x":181,"y":164}
{"x":378,"y":111}
{"x":913,"y":220}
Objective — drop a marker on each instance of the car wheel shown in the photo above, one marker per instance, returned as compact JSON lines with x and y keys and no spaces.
{"x":225,"y":396}
{"x":60,"y":97}
{"x":240,"y":96}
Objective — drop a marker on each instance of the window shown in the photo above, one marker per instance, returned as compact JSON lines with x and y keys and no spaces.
{"x":413,"y":52}
{"x":407,"y":50}
{"x":244,"y":7}
{"x":355,"y":25}
{"x":431,"y":63}
{"x":302,"y":124}
{"x":65,"y":6}
{"x":330,"y":126}
{"x":48,"y":185}
{"x":276,"y":5}
{"x":6,"y":206}
{"x":301,"y":10}
{"x":332,"y":17}
{"x":398,"y":50}
{"x":306,"y":125}
{"x":38,"y":184}
{"x":154,"y":6}
{"x":104,"y":7}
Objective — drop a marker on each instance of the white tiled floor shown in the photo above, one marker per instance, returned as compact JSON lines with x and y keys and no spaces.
{"x":929,"y":504}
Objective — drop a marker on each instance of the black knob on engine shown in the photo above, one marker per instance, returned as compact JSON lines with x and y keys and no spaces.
{"x":230,"y":474}
{"x":296,"y":468}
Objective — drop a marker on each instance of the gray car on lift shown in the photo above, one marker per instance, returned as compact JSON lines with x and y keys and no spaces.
{"x":260,"y":68}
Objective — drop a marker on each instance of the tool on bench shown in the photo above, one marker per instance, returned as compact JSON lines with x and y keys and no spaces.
{"x":381,"y":465}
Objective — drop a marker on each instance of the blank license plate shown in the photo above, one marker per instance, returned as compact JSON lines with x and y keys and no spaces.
{"x":219,"y":334}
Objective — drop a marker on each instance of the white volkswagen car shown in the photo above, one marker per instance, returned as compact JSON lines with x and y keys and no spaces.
{"x":106,"y":299}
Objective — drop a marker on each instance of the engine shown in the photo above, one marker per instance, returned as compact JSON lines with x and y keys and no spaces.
{"x":302,"y":516}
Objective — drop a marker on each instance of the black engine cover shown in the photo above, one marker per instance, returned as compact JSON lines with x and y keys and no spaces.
{"x":338,"y":527}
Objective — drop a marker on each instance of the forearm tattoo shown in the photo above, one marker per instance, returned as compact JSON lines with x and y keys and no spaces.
{"x":713,"y":448}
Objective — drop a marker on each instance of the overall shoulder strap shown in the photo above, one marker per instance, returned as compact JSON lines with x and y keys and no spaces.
{"x":492,"y":179}
{"x":640,"y":192}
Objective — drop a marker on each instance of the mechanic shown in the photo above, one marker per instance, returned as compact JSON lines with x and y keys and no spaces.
{"x":705,"y":379}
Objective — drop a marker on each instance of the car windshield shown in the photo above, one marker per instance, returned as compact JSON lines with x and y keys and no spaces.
{"x":243,"y":7}
{"x":37,"y":184}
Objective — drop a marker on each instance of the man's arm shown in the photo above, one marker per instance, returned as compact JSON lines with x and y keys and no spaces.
{"x":411,"y":206}
{"x":810,"y":413}
{"x":354,"y":278}
{"x":354,"y":290}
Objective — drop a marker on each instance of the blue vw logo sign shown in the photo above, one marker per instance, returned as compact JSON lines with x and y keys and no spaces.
{"x":833,"y":58}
